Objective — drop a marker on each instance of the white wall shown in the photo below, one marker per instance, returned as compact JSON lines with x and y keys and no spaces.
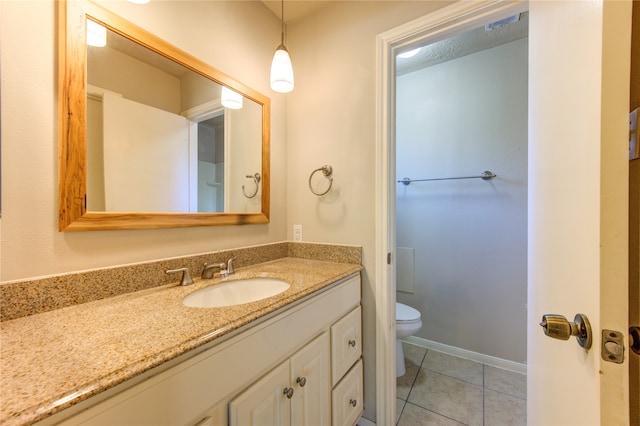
{"x":469,"y":237}
{"x":331,"y":120}
{"x":236,"y":37}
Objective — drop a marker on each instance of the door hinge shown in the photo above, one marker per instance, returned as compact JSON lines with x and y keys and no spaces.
{"x":388,"y":258}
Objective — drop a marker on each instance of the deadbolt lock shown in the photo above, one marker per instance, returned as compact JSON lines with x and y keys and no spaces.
{"x":559,"y":327}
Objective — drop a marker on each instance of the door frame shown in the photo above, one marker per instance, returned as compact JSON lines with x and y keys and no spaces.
{"x":441,"y":24}
{"x":444,"y":23}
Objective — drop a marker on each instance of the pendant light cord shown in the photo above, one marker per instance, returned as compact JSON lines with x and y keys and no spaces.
{"x":282,"y":20}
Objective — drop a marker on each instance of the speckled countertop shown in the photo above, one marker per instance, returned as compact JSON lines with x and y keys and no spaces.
{"x":53,"y":360}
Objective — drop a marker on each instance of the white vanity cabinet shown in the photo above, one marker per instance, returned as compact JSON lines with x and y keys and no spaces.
{"x":297,"y":392}
{"x":329,"y":395}
{"x":245,"y":374}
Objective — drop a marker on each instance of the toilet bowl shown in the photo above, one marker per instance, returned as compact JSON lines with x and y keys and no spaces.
{"x":408,"y":322}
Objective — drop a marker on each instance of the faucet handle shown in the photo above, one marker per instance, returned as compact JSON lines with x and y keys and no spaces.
{"x":209,"y":269}
{"x":186,"y":276}
{"x":230,"y":269}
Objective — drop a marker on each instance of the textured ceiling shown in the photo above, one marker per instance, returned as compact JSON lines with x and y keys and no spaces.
{"x":463,"y":44}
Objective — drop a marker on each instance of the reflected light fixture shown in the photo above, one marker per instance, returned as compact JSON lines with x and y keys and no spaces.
{"x":96,"y":34}
{"x":139,"y":1}
{"x":230,"y":99}
{"x":281,"y":69}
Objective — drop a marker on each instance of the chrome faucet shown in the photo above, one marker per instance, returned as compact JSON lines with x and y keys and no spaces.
{"x":226,"y":269}
{"x":186,"y":276}
{"x":210,"y":269}
{"x":230,"y":270}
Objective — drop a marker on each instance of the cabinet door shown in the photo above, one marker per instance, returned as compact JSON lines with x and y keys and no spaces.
{"x":310,"y":378}
{"x":264,"y":402}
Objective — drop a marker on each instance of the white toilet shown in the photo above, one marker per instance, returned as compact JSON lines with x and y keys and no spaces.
{"x":408,"y":322}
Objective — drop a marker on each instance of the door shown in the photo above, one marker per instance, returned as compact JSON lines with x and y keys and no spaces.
{"x":578,"y":169}
{"x":265,"y":402}
{"x":311,"y":380}
{"x":578,"y":172}
{"x":146,"y":158}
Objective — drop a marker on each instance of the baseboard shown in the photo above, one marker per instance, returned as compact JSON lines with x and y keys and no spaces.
{"x":473,"y":356}
{"x":365,"y":422}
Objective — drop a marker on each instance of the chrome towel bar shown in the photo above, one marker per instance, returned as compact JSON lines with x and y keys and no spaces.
{"x":486,"y":175}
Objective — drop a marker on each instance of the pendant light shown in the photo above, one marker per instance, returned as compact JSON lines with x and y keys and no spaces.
{"x":230,"y":99}
{"x":281,"y":69}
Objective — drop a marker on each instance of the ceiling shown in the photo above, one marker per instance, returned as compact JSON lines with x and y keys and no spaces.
{"x":473,"y":41}
{"x":295,"y":9}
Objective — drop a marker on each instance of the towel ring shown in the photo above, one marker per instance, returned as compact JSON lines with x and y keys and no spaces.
{"x":256,"y":179}
{"x":327,"y":171}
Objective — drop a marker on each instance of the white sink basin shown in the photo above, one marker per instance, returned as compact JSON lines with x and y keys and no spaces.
{"x":235,"y":293}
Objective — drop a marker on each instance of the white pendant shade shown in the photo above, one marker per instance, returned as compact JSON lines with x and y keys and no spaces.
{"x":281,"y":71}
{"x":96,"y":34}
{"x":230,"y":99}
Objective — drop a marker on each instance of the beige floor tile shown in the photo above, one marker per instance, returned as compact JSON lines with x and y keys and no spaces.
{"x":417,"y":416}
{"x":505,"y":381}
{"x":404,"y":383}
{"x":413,"y":354}
{"x":447,"y":396}
{"x":504,"y":410}
{"x":452,"y":366}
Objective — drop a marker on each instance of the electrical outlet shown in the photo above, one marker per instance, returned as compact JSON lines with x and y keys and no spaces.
{"x":297,"y":233}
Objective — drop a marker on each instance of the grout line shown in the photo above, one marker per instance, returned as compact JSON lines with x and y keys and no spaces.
{"x":401,"y":411}
{"x":483,"y":389}
{"x":507,"y":394}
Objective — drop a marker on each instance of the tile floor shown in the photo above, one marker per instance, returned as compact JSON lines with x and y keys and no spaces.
{"x":441,"y":389}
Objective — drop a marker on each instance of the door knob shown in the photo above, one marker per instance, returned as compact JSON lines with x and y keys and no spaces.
{"x":559,"y":327}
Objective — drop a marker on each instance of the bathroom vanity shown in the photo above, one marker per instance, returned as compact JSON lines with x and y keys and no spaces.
{"x":145,"y":358}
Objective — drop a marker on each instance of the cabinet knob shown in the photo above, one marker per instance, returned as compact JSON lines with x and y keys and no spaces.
{"x":353,"y":402}
{"x":352,"y":343}
{"x":301,"y":381}
{"x":288,"y":392}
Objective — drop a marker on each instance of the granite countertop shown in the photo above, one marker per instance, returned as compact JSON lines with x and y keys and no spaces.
{"x":53,"y":360}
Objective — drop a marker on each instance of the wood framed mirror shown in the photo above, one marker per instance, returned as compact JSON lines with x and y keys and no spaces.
{"x":96,"y":192}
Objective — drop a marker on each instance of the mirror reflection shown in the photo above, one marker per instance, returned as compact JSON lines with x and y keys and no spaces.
{"x":163,"y":138}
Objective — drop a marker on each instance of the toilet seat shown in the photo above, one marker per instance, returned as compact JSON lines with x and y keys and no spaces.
{"x":406,"y":314}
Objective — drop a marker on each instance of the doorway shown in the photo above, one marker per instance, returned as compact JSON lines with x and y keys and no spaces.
{"x":572,"y":232}
{"x":461,"y":218}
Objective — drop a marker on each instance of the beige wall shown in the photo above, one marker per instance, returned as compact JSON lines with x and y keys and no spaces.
{"x":331,"y":120}
{"x":236,"y":37}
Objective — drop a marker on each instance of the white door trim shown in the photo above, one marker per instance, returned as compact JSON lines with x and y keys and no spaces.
{"x":443,"y":23}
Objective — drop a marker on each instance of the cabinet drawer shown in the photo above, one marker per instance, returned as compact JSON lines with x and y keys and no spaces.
{"x":347,"y":398}
{"x":346,"y":344}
